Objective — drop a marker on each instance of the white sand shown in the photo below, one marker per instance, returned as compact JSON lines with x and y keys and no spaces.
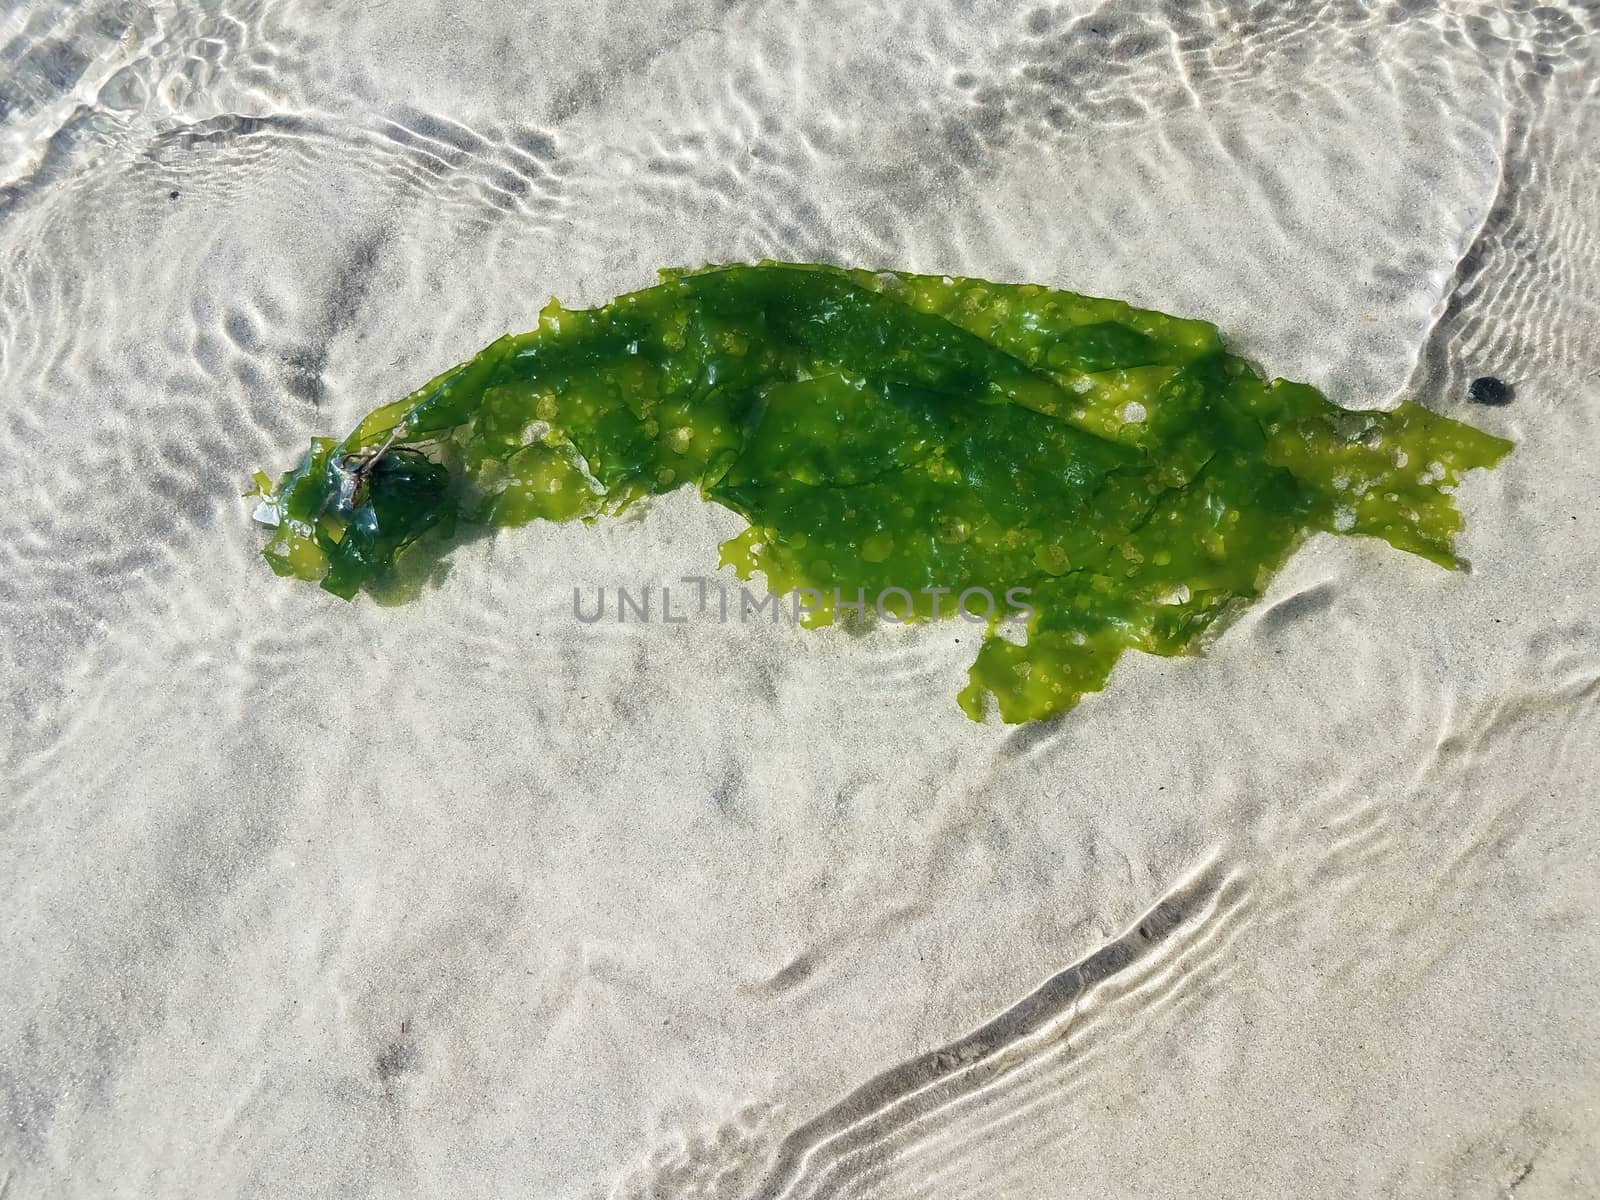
{"x":464,"y":899}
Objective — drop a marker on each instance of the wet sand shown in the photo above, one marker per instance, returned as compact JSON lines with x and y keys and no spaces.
{"x":469,"y":898}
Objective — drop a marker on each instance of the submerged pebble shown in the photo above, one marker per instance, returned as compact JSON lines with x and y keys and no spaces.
{"x":1488,"y":390}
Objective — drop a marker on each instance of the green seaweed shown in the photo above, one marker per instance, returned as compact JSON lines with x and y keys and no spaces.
{"x":885,"y":430}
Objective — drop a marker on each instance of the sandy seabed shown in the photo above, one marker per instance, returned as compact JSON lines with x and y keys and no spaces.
{"x":470,"y":899}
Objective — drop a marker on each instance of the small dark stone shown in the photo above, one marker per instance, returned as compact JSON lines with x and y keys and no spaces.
{"x":1489,"y":390}
{"x":172,"y":195}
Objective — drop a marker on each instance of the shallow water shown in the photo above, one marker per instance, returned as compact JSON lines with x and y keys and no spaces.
{"x":469,"y":898}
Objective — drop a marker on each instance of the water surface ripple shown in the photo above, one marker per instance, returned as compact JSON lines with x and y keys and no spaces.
{"x":471,"y":899}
